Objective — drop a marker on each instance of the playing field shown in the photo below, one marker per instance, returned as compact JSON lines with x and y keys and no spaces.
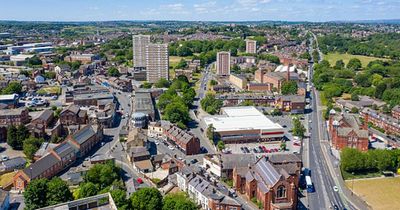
{"x":380,"y":193}
{"x":333,"y":57}
{"x":174,"y":60}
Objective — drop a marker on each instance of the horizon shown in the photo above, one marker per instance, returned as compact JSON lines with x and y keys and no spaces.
{"x":204,"y":11}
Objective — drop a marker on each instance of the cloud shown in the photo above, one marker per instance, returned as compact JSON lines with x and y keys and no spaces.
{"x":205,"y":7}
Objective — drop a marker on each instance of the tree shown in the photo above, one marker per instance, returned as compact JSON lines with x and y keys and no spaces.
{"x":113,"y":72}
{"x":177,"y":112}
{"x":31,"y":145}
{"x":289,"y":88}
{"x":146,"y":85}
{"x":354,"y":64}
{"x":58,"y":191}
{"x":12,"y":88}
{"x":162,"y":83}
{"x":35,"y":194}
{"x":179,"y":201}
{"x":339,"y":64}
{"x":354,"y":110}
{"x":102,"y":175}
{"x":87,"y":189}
{"x":363,"y":80}
{"x":221,"y":145}
{"x":50,"y":75}
{"x":182,"y":64}
{"x":355,"y":97}
{"x":34,"y":61}
{"x":210,"y":132}
{"x":119,"y":197}
{"x":298,"y":128}
{"x":210,"y":104}
{"x":16,"y":136}
{"x":283,"y":146}
{"x":213,"y":82}
{"x":352,"y":160}
{"x":146,"y":199}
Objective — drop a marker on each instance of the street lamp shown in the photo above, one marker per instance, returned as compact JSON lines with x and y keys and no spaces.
{"x":352,"y":184}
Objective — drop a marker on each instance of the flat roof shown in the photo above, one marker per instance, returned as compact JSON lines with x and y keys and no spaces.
{"x":241,"y":118}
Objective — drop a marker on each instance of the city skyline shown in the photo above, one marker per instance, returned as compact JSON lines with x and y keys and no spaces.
{"x":210,"y":10}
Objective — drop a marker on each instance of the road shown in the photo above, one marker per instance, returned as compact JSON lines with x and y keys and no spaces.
{"x":324,"y":166}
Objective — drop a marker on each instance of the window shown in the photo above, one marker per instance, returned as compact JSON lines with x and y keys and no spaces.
{"x":281,"y":192}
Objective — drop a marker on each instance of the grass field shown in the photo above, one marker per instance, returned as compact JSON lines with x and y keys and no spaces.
{"x":174,"y":60}
{"x":380,"y":193}
{"x":333,"y":57}
{"x":6,"y":178}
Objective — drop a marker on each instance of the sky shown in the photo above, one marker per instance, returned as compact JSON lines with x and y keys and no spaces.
{"x":198,"y":10}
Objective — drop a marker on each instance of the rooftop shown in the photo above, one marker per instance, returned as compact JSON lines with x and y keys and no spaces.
{"x":241,"y":118}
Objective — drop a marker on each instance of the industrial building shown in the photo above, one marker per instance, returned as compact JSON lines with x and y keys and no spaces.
{"x":244,"y":124}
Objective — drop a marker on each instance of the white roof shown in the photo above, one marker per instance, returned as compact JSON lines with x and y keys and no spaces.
{"x":8,"y":97}
{"x":241,"y":118}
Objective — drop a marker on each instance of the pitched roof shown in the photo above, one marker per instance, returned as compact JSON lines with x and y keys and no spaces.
{"x":45,"y":115}
{"x":40,"y":166}
{"x":84,"y":134}
{"x":72,"y":108}
{"x":63,"y":149}
{"x":267,"y":172}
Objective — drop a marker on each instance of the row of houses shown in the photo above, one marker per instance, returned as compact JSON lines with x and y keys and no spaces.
{"x":389,"y":123}
{"x":62,"y":156}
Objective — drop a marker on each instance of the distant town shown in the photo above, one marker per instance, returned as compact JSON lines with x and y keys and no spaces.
{"x":199,"y":115}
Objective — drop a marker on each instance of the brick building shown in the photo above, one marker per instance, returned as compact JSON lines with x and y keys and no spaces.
{"x":184,"y":140}
{"x":274,"y":184}
{"x":390,"y":124}
{"x":396,"y":112}
{"x":345,"y":130}
{"x":14,"y":117}
{"x":73,"y":115}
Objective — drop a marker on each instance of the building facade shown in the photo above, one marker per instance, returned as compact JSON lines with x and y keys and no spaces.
{"x":223,"y":63}
{"x":251,"y":46}
{"x":157,"y":62}
{"x":139,"y":51}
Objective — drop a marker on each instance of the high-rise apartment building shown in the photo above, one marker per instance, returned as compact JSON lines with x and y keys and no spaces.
{"x":157,"y":62}
{"x":223,"y":63}
{"x":251,"y":46}
{"x":139,"y":51}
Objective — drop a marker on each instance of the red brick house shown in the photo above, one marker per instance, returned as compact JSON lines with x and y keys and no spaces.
{"x":345,"y":130}
{"x":270,"y":184}
{"x":184,"y":140}
{"x":396,"y":112}
{"x":73,"y":115}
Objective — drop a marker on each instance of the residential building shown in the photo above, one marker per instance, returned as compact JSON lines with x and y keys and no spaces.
{"x":396,"y":112}
{"x":185,"y":141}
{"x":346,"y":130}
{"x":231,"y":129}
{"x":291,"y":103}
{"x":222,"y":165}
{"x":258,"y":87}
{"x":223,"y":63}
{"x":139,"y":51}
{"x":272,"y":185}
{"x":12,"y":164}
{"x":83,"y":58}
{"x":60,"y":157}
{"x":251,"y":46}
{"x":155,"y":129}
{"x":73,"y":115}
{"x":386,"y":122}
{"x":238,"y":80}
{"x":14,"y":117}
{"x":157,"y":62}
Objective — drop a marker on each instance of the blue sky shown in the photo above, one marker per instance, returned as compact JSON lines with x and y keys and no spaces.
{"x":202,"y":10}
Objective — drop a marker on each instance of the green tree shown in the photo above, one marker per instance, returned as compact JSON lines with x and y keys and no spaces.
{"x":31,"y":145}
{"x":35,"y":194}
{"x":352,"y":160}
{"x":113,"y":72}
{"x":16,"y":136}
{"x":119,"y":197}
{"x":355,"y":97}
{"x":354,"y":64}
{"x":177,"y":112}
{"x":102,"y":175}
{"x":162,"y":83}
{"x":283,"y":146}
{"x":210,"y":104}
{"x":146,"y":85}
{"x":298,"y":128}
{"x":221,"y":145}
{"x":87,"y":189}
{"x":34,"y":61}
{"x":210,"y":132}
{"x":289,"y":88}
{"x":147,"y":199}
{"x":213,"y":82}
{"x":178,"y":201}
{"x":182,"y":64}
{"x":12,"y":87}
{"x":58,"y":191}
{"x":339,"y":64}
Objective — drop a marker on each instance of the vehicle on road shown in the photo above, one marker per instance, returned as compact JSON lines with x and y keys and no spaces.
{"x":335,"y":188}
{"x":171,"y":147}
{"x":194,"y":161}
{"x":139,"y":180}
{"x":156,"y":142}
{"x":310,"y":186}
{"x":4,"y":157}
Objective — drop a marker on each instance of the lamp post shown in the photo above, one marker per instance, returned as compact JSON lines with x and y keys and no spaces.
{"x":352,"y":184}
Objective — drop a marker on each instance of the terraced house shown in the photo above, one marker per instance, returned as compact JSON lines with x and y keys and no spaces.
{"x":60,"y":157}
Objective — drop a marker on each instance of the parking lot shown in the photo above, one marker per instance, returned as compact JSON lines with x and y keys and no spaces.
{"x":293,"y":144}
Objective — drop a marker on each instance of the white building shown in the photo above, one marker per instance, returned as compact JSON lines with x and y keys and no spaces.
{"x":139,"y":50}
{"x":157,"y":62}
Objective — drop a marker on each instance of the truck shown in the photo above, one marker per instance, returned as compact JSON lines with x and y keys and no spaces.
{"x":310,"y":186}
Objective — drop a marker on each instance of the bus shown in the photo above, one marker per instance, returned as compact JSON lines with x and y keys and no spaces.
{"x":310,"y":186}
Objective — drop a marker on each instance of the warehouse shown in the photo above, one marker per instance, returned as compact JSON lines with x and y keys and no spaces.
{"x":244,"y":124}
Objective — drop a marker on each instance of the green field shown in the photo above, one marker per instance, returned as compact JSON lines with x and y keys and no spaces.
{"x":380,"y":193}
{"x":174,"y":60}
{"x":333,"y":57}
